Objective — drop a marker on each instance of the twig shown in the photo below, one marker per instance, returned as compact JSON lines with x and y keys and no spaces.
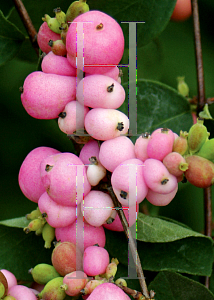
{"x":131,"y":243}
{"x":200,"y":105}
{"x":27,"y":23}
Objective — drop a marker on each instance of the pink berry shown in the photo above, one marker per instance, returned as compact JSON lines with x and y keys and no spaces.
{"x":101,"y":47}
{"x":45,"y":95}
{"x":45,"y":34}
{"x":20,"y":292}
{"x":90,"y":149}
{"x":95,"y":260}
{"x":74,"y":282}
{"x":11,"y":279}
{"x":128,"y":178}
{"x":159,"y":199}
{"x":29,"y":174}
{"x":115,"y":151}
{"x":157,"y":177}
{"x":64,"y":178}
{"x":97,"y":207}
{"x":100,"y":91}
{"x":108,"y":291}
{"x":57,"y":215}
{"x":105,"y":124}
{"x":175,"y":163}
{"x":55,"y":64}
{"x":114,"y":73}
{"x":72,"y":117}
{"x":141,"y":147}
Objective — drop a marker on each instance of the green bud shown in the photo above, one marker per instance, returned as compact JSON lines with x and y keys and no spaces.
{"x":207,"y":150}
{"x":121,"y":282}
{"x":197,"y":136}
{"x":2,"y":290}
{"x":34,"y":225}
{"x":48,"y":234}
{"x":43,"y":273}
{"x":52,"y":23}
{"x":60,"y":15}
{"x":3,"y":285}
{"x":75,"y":9}
{"x":9,"y":298}
{"x":52,"y":290}
{"x":34,"y":214}
{"x":182,"y":87}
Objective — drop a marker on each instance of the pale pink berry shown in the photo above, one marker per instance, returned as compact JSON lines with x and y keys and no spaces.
{"x":159,"y":199}
{"x":45,"y":34}
{"x":115,"y":151}
{"x":29,"y":174}
{"x":141,"y":146}
{"x":114,"y":73}
{"x":100,"y":91}
{"x":20,"y":292}
{"x":55,"y":64}
{"x":11,"y":279}
{"x":72,"y":117}
{"x":92,"y":234}
{"x":103,"y":42}
{"x":90,"y":149}
{"x":157,"y":177}
{"x":45,"y":95}
{"x":97,"y":207}
{"x":160,"y":144}
{"x":105,"y":124}
{"x":127,"y":179}
{"x":64,"y":178}
{"x":95,"y":173}
{"x":57,"y":215}
{"x":108,"y":291}
{"x":95,"y":260}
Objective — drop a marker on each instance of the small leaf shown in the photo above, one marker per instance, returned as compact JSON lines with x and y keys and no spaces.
{"x":156,"y":230}
{"x":21,"y":222}
{"x":205,"y":114}
{"x":172,"y":286}
{"x":11,"y":39}
{"x":158,"y":105}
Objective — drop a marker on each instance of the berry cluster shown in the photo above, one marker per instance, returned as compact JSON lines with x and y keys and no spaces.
{"x":66,"y":186}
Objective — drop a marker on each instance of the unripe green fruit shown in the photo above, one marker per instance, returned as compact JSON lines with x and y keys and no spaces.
{"x":207,"y":150}
{"x":60,"y":15}
{"x":200,"y":171}
{"x":48,"y":234}
{"x":53,"y":24}
{"x":34,"y":214}
{"x":3,"y":285}
{"x":9,"y":298}
{"x":180,"y":143}
{"x":197,"y":136}
{"x":43,"y":273}
{"x":75,"y":9}
{"x":121,"y":282}
{"x":35,"y":225}
{"x":52,"y":290}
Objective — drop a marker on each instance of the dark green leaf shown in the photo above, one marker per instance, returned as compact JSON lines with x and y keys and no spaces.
{"x":172,"y":286}
{"x":159,"y":105}
{"x":156,"y":14}
{"x":21,"y":222}
{"x":11,"y":39}
{"x":156,"y":230}
{"x":20,"y":251}
{"x":193,"y":255}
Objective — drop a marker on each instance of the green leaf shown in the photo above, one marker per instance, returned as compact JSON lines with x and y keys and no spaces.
{"x":20,"y":251}
{"x":11,"y":39}
{"x":156,"y":15}
{"x":156,"y":230}
{"x":21,"y":222}
{"x":172,"y":286}
{"x":158,"y":105}
{"x":192,"y":255}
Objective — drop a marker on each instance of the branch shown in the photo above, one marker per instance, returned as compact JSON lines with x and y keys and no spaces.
{"x":27,"y":23}
{"x":131,"y":243}
{"x":200,"y":105}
